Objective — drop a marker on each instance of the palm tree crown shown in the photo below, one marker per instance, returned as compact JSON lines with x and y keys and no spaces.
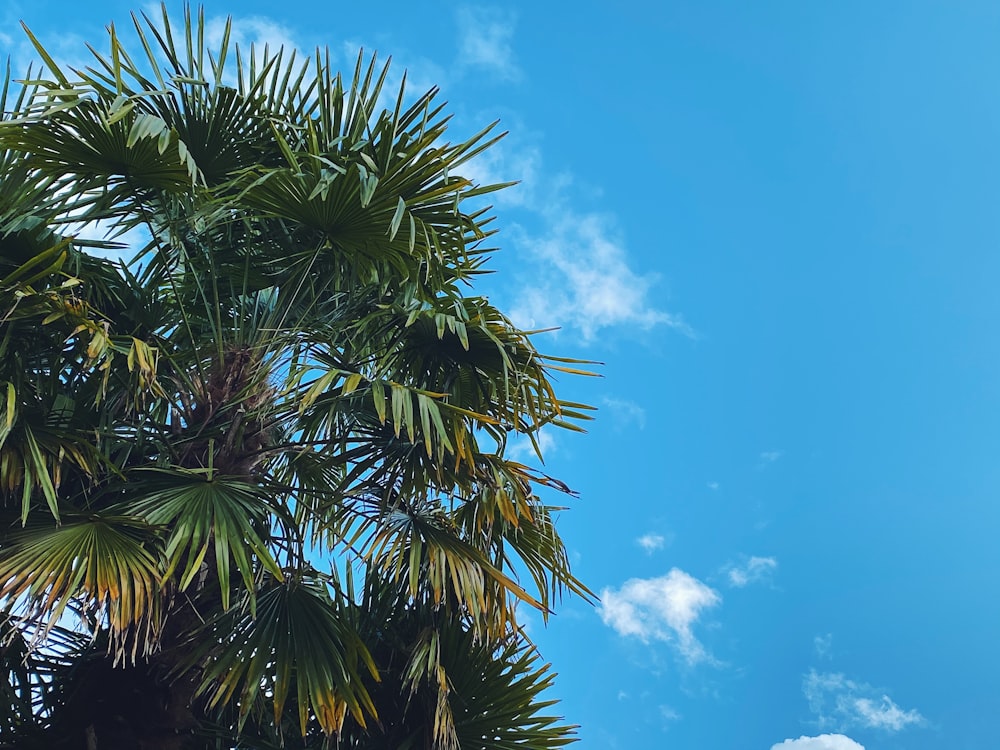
{"x":255,"y":478}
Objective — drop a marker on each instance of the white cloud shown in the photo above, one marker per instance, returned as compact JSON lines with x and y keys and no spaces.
{"x":883,"y":713}
{"x":523,"y":450}
{"x":245,"y":31}
{"x":68,"y":49}
{"x":669,"y":714}
{"x":838,"y":701}
{"x":577,"y":273}
{"x":756,"y":569}
{"x":713,"y":485}
{"x":626,"y":412}
{"x":259,"y":31}
{"x":664,"y":609}
{"x":575,"y":266}
{"x":484,"y":41}
{"x":524,"y":619}
{"x":582,"y":279}
{"x":769,"y":457}
{"x":650,"y":542}
{"x":822,"y":742}
{"x":502,"y":163}
{"x":823,"y":645}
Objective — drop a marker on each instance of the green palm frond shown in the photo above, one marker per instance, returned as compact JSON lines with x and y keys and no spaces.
{"x":446,"y":687}
{"x":203,"y":512}
{"x":497,"y":697}
{"x":297,"y":640}
{"x":110,"y":563}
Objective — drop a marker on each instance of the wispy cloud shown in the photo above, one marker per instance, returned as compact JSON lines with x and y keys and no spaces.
{"x":883,"y":713}
{"x":582,"y":279}
{"x":769,"y":457}
{"x":713,"y":486}
{"x":67,"y":48}
{"x":626,"y":413}
{"x":669,"y":715}
{"x":577,"y":273}
{"x":755,"y":569}
{"x":485,"y":36}
{"x":514,"y":160}
{"x":523,"y":450}
{"x":822,"y":742}
{"x":663,"y":609}
{"x":651,"y":542}
{"x":260,"y":31}
{"x":842,"y":703}
{"x":823,"y":645}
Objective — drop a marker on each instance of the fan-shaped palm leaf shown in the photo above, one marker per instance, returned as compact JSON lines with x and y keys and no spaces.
{"x":297,"y":639}
{"x":109,"y":562}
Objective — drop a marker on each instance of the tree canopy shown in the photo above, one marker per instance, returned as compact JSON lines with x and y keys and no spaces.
{"x":253,"y":419}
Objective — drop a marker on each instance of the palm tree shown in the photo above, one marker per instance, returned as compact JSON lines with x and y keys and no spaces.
{"x":254,"y":482}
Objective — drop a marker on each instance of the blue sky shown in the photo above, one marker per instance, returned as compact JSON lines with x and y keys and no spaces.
{"x":777,"y":225}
